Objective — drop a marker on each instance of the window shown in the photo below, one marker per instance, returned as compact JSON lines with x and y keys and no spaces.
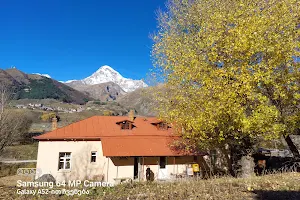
{"x":163,"y":126}
{"x":93,"y":156}
{"x":126,"y":125}
{"x":64,"y":160}
{"x":162,"y":162}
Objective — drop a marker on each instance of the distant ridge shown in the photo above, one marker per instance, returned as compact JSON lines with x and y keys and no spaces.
{"x":36,"y":86}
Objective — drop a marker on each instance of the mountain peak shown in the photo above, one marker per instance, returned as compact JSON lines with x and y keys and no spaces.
{"x":107,"y":74}
{"x":105,"y":67}
{"x":106,"y":71}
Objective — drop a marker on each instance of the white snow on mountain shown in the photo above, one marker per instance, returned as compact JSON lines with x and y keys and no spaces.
{"x":46,"y":75}
{"x":69,"y":81}
{"x":107,"y":74}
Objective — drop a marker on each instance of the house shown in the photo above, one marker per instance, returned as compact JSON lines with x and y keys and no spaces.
{"x":112,"y":148}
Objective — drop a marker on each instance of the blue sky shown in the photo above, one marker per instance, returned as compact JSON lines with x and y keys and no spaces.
{"x":71,"y":39}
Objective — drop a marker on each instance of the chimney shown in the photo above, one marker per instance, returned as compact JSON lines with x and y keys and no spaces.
{"x":54,"y":123}
{"x":131,"y":115}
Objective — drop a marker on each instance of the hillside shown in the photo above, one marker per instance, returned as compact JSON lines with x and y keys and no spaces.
{"x":68,"y":113}
{"x":104,"y":91}
{"x":7,"y":79}
{"x":33,"y":86}
{"x":19,"y":76}
{"x":142,"y":100}
{"x":36,"y":86}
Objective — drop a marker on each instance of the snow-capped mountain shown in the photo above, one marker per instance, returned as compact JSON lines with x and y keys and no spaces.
{"x":45,"y":75}
{"x":107,"y":74}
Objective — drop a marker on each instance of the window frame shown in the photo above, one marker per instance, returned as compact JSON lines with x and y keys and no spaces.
{"x":126,"y":125}
{"x":66,"y":158}
{"x":95,"y":156}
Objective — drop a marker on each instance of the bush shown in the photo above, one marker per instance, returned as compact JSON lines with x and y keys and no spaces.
{"x":47,"y":117}
{"x":97,"y":102}
{"x":107,"y":113}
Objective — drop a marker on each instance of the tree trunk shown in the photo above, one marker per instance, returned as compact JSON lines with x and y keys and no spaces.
{"x":247,"y":166}
{"x":229,"y":159}
{"x":292,"y":147}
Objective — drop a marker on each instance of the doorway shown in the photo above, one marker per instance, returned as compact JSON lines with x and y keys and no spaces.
{"x":136,"y":168}
{"x":162,"y":171}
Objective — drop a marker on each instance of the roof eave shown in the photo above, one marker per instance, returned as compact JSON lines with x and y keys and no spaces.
{"x":65,"y":138}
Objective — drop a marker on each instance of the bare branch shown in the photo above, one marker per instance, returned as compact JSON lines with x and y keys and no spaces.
{"x":13,"y":123}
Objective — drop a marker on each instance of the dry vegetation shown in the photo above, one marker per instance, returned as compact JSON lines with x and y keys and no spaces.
{"x":142,"y":100}
{"x":9,"y":170}
{"x":48,"y":102}
{"x":20,"y":152}
{"x":278,"y":186}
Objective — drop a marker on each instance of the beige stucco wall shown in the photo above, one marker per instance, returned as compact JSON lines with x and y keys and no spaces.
{"x":174,"y":165}
{"x":81,"y":167}
{"x":111,"y":168}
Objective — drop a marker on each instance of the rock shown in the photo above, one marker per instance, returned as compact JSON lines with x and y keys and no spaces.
{"x":46,"y":178}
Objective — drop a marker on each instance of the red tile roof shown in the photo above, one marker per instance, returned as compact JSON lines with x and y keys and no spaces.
{"x":138,"y":146}
{"x":143,"y":140}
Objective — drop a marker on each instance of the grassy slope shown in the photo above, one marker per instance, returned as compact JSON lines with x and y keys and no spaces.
{"x":67,"y":118}
{"x":20,"y":152}
{"x":278,"y":187}
{"x":223,"y":188}
{"x":142,"y":100}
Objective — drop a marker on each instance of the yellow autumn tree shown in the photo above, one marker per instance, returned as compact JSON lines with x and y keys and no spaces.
{"x":229,"y":69}
{"x":48,"y":116}
{"x":107,"y":113}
